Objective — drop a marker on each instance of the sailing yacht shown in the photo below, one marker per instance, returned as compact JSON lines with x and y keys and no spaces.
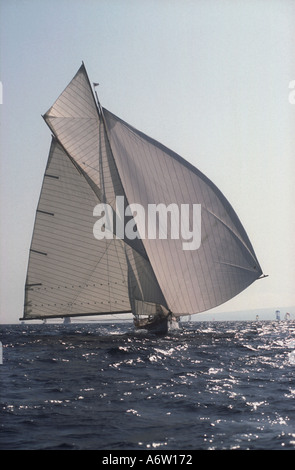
{"x":95,"y":158}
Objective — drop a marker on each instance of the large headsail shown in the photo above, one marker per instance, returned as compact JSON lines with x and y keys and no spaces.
{"x":224,"y":264}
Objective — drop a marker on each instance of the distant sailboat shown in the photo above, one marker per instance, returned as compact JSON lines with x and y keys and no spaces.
{"x":95,"y":157}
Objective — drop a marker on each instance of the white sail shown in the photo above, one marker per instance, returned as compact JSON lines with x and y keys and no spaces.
{"x":69,"y":272}
{"x":96,"y":157}
{"x":224,"y":264}
{"x":74,"y":120}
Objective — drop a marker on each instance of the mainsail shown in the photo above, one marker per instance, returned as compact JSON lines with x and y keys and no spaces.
{"x":94,"y":158}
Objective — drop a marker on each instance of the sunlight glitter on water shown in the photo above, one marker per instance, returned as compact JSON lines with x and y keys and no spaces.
{"x":217,"y":386}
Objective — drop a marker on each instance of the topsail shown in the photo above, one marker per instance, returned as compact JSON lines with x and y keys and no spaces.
{"x":97,"y":158}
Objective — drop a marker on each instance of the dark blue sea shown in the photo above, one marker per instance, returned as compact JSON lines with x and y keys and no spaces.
{"x":217,"y":385}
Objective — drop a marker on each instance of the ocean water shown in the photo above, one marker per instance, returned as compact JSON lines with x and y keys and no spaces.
{"x":217,"y":385}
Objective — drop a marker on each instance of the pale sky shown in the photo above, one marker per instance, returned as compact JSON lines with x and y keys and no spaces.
{"x":207,"y":78}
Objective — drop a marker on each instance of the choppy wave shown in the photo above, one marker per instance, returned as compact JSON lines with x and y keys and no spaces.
{"x":218,"y":385}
